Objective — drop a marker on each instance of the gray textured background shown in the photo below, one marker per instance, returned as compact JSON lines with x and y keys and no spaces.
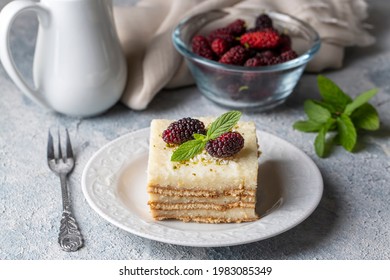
{"x":351,"y":221}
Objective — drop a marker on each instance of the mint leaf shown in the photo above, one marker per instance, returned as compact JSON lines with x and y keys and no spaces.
{"x":199,"y":136}
{"x":188,"y":150}
{"x":328,"y":106}
{"x":338,"y":112}
{"x":307,"y":126}
{"x":316,"y":112}
{"x":320,"y":141}
{"x":223,"y":124}
{"x":332,"y":94}
{"x":366,"y":117}
{"x":360,"y":100}
{"x":347,"y":132}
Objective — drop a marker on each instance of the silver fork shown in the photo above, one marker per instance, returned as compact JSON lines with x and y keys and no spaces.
{"x":70,"y":238}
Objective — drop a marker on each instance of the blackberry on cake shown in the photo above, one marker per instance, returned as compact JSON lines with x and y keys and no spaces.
{"x":182,"y":130}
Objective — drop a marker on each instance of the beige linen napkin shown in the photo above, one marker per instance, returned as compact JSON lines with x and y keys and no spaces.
{"x":153,"y":63}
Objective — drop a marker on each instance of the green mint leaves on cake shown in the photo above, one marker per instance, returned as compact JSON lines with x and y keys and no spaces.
{"x":339,"y":114}
{"x":223,"y":124}
{"x":217,"y":135}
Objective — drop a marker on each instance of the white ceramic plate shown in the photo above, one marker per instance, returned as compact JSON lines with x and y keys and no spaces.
{"x":114,"y":184}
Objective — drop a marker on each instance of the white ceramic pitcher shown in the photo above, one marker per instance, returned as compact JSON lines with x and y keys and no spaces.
{"x":79,"y":67}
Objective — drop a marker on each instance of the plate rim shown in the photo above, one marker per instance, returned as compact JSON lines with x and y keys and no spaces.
{"x":314,"y":202}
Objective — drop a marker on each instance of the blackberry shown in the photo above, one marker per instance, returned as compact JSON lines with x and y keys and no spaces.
{"x":237,"y":27}
{"x":223,"y":33}
{"x":263,"y":21}
{"x":230,"y":32}
{"x":235,"y":56}
{"x":268,"y":54}
{"x":275,"y":60}
{"x":288,"y":55}
{"x":201,"y":46}
{"x":256,"y":61}
{"x":182,"y":130}
{"x":267,"y":38}
{"x":220,"y":46}
{"x":226,"y":145}
{"x":285,"y":43}
{"x":263,"y":59}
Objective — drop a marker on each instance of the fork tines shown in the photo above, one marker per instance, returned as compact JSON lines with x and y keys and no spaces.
{"x":50,"y":146}
{"x":69,"y":152}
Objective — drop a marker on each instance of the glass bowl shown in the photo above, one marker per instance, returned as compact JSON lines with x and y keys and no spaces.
{"x":238,"y":87}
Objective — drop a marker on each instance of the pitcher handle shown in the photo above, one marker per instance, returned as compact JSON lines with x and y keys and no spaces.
{"x":7,"y":17}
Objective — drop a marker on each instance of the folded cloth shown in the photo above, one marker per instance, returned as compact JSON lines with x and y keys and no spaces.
{"x":145,"y":31}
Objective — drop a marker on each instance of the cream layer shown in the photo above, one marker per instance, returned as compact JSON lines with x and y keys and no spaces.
{"x":203,"y":172}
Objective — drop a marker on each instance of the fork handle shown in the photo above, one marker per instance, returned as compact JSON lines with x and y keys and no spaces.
{"x":70,"y":237}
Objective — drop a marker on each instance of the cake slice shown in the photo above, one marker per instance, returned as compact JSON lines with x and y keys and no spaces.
{"x":203,"y":188}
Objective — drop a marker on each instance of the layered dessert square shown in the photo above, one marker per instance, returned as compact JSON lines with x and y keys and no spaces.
{"x":204,"y":188}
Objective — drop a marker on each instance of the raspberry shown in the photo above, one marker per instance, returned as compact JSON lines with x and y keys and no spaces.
{"x":226,"y":145}
{"x":267,"y":38}
{"x":201,"y":46}
{"x":263,"y":21}
{"x":182,"y":130}
{"x":288,"y":55}
{"x":235,"y":56}
{"x":220,"y":46}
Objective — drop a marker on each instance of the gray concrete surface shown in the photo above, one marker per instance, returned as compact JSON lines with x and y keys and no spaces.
{"x":351,"y":221}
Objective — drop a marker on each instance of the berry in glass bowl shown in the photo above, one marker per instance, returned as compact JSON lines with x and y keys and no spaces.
{"x":246,"y":60}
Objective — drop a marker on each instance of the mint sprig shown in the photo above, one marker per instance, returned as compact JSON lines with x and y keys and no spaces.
{"x":223,"y":124}
{"x":188,"y":150}
{"x":339,"y":114}
{"x":191,"y":148}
